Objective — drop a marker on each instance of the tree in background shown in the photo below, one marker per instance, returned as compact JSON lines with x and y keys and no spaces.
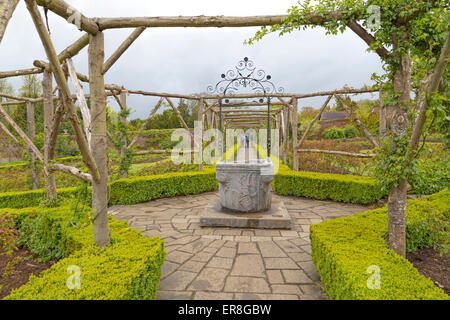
{"x":412,"y":40}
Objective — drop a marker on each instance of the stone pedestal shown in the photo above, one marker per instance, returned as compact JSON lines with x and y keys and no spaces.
{"x":277,"y":217}
{"x":245,"y":186}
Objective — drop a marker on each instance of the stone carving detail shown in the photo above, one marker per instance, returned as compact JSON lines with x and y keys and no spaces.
{"x":243,"y":188}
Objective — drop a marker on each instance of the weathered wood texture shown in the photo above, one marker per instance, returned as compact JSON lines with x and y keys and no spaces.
{"x":71,"y":170}
{"x":123,"y":137}
{"x":31,"y":125}
{"x":209,"y":21}
{"x":66,"y":99}
{"x":21,"y":72}
{"x":22,"y":134}
{"x":142,"y":127}
{"x":317,"y":116}
{"x":7,"y":8}
{"x":341,"y":153}
{"x":98,"y":139}
{"x":50,"y":183}
{"x":8,"y":133}
{"x":360,"y":125}
{"x":122,"y":48}
{"x":198,"y":135}
{"x":64,"y":10}
{"x":85,"y":113}
{"x":294,"y":133}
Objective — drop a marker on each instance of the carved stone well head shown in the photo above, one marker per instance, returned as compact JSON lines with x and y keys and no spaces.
{"x":245,"y":186}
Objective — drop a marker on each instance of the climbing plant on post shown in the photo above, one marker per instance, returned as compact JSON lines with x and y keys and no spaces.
{"x":412,"y":40}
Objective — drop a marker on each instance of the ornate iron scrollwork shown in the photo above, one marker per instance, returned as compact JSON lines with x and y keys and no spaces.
{"x":245,"y":75}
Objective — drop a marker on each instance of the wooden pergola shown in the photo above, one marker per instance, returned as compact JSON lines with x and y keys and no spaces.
{"x":92,"y":137}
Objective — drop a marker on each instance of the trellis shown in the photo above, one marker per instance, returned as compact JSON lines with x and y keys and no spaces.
{"x":92,"y":138}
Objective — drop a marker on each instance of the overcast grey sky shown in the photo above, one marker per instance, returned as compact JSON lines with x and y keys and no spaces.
{"x":187,"y":60}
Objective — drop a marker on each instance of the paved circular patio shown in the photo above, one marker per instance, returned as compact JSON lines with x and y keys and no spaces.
{"x":229,"y":263}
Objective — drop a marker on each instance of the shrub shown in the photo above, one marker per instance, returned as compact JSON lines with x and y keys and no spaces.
{"x":344,"y":248}
{"x":431,"y":175}
{"x":322,"y":186}
{"x":129,"y":268}
{"x":333,"y":133}
{"x":127,"y":191}
{"x":350,"y":131}
{"x":142,"y":189}
{"x":8,"y":234}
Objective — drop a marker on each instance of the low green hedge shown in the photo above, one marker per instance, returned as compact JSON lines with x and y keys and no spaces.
{"x":344,"y":248}
{"x":344,"y":188}
{"x":323,"y":186}
{"x":129,"y":268}
{"x":142,"y":189}
{"x":128,"y":191}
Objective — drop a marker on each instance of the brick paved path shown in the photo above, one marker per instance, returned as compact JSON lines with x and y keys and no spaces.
{"x":225,"y":263}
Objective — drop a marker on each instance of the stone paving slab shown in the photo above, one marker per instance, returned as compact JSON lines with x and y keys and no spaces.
{"x":229,"y":263}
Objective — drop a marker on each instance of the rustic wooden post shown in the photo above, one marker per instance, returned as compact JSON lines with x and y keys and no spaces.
{"x":123,"y":138}
{"x":286,"y":134}
{"x":305,"y":134}
{"x":294,"y":133}
{"x":382,"y":115}
{"x":198,"y":135}
{"x":63,"y":87}
{"x":31,"y":134}
{"x":98,"y":139}
{"x":50,"y":184}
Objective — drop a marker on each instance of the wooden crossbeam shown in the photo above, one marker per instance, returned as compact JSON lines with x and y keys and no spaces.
{"x":122,"y":48}
{"x":80,"y":76}
{"x":8,"y":133}
{"x":85,"y":113}
{"x":305,"y":134}
{"x":71,"y":170}
{"x":360,"y":125}
{"x":22,"y":134}
{"x":21,"y":72}
{"x":152,"y":113}
{"x":67,"y":12}
{"x":60,"y":78}
{"x":341,"y":153}
{"x":211,"y":21}
{"x":177,"y":112}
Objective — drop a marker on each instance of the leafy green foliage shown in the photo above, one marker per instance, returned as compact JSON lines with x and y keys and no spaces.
{"x":431,"y":175}
{"x":333,"y":133}
{"x":142,"y":189}
{"x":344,"y":248}
{"x":350,"y":131}
{"x":344,"y":188}
{"x":129,"y":268}
{"x":8,"y":233}
{"x":403,"y":28}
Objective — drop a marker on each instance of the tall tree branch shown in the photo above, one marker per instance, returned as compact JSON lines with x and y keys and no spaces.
{"x":368,"y":38}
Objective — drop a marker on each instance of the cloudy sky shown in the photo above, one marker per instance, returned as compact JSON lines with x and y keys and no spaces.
{"x":187,"y":60}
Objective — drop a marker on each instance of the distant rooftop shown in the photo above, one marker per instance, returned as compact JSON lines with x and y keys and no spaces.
{"x":334,"y":115}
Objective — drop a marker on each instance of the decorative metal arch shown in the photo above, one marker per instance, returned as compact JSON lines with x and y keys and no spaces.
{"x":246,"y":75}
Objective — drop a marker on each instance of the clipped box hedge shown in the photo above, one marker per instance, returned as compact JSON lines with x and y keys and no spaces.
{"x":129,"y":268}
{"x":324,"y":186}
{"x":128,"y":191}
{"x":344,"y":248}
{"x":142,"y":189}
